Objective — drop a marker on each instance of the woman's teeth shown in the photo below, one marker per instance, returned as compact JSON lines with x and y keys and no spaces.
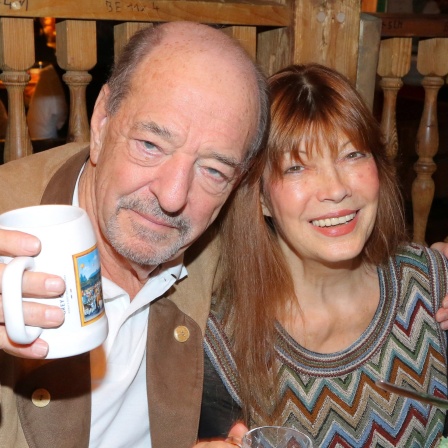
{"x":333,"y":221}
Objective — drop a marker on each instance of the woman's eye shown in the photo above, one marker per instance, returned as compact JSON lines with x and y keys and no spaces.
{"x":355,"y":155}
{"x":294,"y":169}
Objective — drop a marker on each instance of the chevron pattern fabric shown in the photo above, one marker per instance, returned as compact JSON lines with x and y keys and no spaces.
{"x":333,"y":397}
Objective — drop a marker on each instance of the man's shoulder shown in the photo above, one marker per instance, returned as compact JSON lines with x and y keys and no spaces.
{"x":23,"y":181}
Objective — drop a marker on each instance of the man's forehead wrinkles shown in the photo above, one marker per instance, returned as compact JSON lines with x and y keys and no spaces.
{"x":154,"y":128}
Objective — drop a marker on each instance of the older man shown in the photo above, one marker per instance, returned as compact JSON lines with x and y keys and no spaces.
{"x":172,"y":133}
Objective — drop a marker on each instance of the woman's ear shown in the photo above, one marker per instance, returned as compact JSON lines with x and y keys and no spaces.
{"x":98,"y":124}
{"x":264,"y":207}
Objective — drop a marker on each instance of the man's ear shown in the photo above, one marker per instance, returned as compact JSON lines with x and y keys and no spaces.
{"x":264,"y":207}
{"x":98,"y":124}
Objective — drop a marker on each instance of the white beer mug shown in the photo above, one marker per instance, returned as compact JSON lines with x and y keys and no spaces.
{"x":68,"y":250}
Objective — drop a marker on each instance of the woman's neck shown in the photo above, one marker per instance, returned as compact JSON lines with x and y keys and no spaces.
{"x":334,"y":304}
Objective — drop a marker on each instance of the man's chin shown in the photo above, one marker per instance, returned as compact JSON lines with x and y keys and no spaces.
{"x":152,"y":256}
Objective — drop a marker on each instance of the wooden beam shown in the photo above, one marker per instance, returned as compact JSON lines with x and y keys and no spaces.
{"x":369,"y":48}
{"x":274,"y":49}
{"x":234,"y":12}
{"x":414,"y":25}
{"x":246,"y":35}
{"x":327,"y":32}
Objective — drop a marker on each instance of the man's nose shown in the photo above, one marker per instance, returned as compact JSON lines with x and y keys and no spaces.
{"x":173,"y":183}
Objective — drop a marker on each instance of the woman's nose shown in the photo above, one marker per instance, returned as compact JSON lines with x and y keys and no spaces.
{"x":333,"y":185}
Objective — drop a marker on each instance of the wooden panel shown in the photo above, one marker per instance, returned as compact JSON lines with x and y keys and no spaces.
{"x":426,"y":146}
{"x":274,"y":50}
{"x":395,"y":57}
{"x":246,"y":35}
{"x":16,"y":56}
{"x":327,"y":33}
{"x":369,"y":47}
{"x":17,"y":44}
{"x":237,"y":12}
{"x":76,"y":53}
{"x":432,"y":62}
{"x":123,"y":32}
{"x":76,"y":44}
{"x":274,"y":46}
{"x":432,"y":57}
{"x":394,"y":63}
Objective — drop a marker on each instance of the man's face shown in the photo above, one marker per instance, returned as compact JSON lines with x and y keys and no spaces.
{"x":168,"y":159}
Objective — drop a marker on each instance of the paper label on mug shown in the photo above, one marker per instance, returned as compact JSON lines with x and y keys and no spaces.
{"x":88,"y":285}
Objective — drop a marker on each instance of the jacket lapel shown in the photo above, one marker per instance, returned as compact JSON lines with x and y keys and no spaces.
{"x":175,"y":368}
{"x":61,"y":186}
{"x":65,"y":421}
{"x":175,"y":375}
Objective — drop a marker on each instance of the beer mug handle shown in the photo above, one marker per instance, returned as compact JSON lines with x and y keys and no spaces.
{"x":16,"y":329}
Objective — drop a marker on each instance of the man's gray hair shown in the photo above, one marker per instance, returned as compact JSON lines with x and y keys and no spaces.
{"x":139,"y":47}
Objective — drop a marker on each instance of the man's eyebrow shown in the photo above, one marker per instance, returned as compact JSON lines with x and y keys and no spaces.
{"x":151,"y":126}
{"x":154,"y":128}
{"x":230,"y":161}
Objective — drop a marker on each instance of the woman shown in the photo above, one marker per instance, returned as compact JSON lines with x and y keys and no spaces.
{"x":320,"y":296}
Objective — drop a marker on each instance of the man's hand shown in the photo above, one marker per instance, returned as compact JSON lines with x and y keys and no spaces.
{"x":441,"y":247}
{"x":35,"y":284}
{"x":233,"y":439}
{"x":442,"y":313}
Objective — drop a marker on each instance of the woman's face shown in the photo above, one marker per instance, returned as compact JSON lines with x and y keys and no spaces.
{"x":324,"y":207}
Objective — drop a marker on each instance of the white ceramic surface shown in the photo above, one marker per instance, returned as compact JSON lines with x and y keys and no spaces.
{"x":68,"y":250}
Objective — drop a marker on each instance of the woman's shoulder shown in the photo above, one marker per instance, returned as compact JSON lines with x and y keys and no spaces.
{"x":417,"y":267}
{"x":419,"y":257}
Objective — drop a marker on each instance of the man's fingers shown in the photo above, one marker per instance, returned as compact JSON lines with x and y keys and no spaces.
{"x":45,"y":316}
{"x":37,"y":350}
{"x":34,"y":284}
{"x":238,"y":430}
{"x":13,"y":241}
{"x":234,"y":441}
{"x":442,"y":318}
{"x":38,"y":315}
{"x":38,"y":284}
{"x":236,"y":433}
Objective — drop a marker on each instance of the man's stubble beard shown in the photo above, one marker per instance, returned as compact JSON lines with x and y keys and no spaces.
{"x":148,"y":248}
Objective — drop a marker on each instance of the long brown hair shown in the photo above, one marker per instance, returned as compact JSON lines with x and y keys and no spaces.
{"x":309,"y":102}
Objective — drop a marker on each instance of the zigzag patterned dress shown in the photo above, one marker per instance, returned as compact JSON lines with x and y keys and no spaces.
{"x":332,"y":397}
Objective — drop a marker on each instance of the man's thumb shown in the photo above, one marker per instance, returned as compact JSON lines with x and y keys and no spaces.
{"x":236,"y":433}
